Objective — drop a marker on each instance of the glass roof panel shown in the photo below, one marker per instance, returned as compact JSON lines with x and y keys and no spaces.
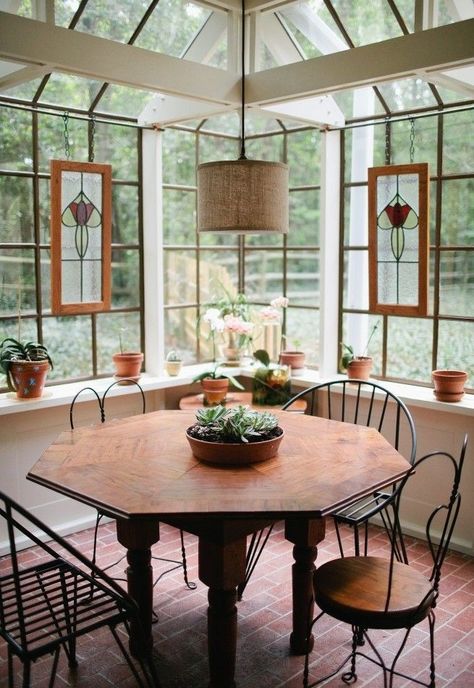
{"x":345,"y":101}
{"x":122,"y":100}
{"x":115,"y":20}
{"x":70,"y":91}
{"x":313,"y":28}
{"x":407,"y":94}
{"x":367,"y":22}
{"x":65,"y":11}
{"x":219,"y":57}
{"x":229,"y":123}
{"x":172,"y":26}
{"x":24,"y":91}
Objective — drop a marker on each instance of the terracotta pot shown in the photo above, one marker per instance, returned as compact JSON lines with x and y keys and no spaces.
{"x":359,"y":368}
{"x":449,"y":384}
{"x":239,"y":453}
{"x":128,"y":364}
{"x":29,"y":378}
{"x":215,"y":391}
{"x":173,"y":368}
{"x":295,"y":359}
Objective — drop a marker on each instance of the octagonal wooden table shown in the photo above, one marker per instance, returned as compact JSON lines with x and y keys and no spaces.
{"x":140,"y":471}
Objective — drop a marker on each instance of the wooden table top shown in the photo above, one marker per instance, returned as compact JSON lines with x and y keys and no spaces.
{"x":143,"y":466}
{"x":195,"y":401}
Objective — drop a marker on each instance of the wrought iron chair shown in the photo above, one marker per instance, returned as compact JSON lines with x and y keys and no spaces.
{"x":372,"y":593}
{"x":176,"y":564}
{"x":362,"y":403}
{"x":43,"y":606}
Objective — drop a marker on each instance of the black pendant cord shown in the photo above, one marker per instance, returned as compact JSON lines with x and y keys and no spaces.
{"x":242,"y":117}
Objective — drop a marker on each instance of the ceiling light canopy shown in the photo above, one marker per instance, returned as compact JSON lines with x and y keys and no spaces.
{"x":243,"y":196}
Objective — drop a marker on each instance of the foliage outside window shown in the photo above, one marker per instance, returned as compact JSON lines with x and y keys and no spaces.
{"x":81,"y":345}
{"x":409,"y":348}
{"x":199,"y":267}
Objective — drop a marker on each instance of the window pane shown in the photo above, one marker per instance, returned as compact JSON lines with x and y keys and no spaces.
{"x":456,"y":347}
{"x":117,"y":146}
{"x":265,"y":148}
{"x":125,"y":278}
{"x":52,"y":143}
{"x":356,"y":216}
{"x":424,"y":142}
{"x":179,"y":157}
{"x":16,"y":152}
{"x":216,"y":148}
{"x":263,"y":275}
{"x":458,"y":128}
{"x":73,"y":359}
{"x":113,"y":328}
{"x":456,"y":293}
{"x":304,"y":218}
{"x":125,"y":214}
{"x":17,"y":268}
{"x":179,"y":217}
{"x":302,"y":332}
{"x":303,"y":278}
{"x":457,"y":221}
{"x":16,"y":210}
{"x":409,"y":348}
{"x":304,"y":154}
{"x":24,"y":330}
{"x":45,"y":267}
{"x":356,"y":280}
{"x":180,"y":332}
{"x":44,"y":186}
{"x":218,"y":271}
{"x":357,"y":329}
{"x":180,"y":277}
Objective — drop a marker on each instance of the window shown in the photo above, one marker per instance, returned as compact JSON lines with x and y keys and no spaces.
{"x":409,"y":348}
{"x":81,"y":346}
{"x":199,"y":267}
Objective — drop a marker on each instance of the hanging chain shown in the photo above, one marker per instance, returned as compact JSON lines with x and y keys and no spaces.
{"x":412,"y":140}
{"x":67,"y":146}
{"x":387,"y":141}
{"x":92,"y":138}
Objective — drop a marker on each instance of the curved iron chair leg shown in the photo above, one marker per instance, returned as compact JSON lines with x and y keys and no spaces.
{"x":254,"y":553}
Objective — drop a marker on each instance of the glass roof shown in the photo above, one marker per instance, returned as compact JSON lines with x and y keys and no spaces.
{"x":291,"y":32}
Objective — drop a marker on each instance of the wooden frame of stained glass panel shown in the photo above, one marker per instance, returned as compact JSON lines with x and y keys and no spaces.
{"x":81,"y":202}
{"x":398,"y":239}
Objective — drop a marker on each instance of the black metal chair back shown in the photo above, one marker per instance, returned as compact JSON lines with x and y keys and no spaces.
{"x":46,"y":605}
{"x":101,"y":400}
{"x":363,"y":402}
{"x":374,"y":592}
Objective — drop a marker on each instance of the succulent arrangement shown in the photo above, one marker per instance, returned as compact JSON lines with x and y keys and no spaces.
{"x":238,"y":424}
{"x":173,"y":356}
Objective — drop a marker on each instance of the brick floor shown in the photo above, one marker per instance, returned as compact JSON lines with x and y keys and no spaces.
{"x":263,"y":659}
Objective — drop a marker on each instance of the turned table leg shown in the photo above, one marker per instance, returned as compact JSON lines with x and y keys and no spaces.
{"x":137,"y":537}
{"x":222,"y":568}
{"x":305,"y":535}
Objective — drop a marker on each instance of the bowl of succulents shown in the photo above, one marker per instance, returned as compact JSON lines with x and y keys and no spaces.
{"x":234,"y":436}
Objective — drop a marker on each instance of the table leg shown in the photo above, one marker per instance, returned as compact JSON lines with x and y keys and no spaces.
{"x":305,"y":535}
{"x":222,"y":568}
{"x":138,"y":537}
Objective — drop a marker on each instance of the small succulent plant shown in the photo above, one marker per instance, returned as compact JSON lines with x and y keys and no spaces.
{"x":173,"y":356}
{"x":238,"y":424}
{"x":12,"y":350}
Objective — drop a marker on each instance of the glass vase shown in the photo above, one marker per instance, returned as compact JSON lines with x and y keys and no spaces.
{"x":271,"y":385}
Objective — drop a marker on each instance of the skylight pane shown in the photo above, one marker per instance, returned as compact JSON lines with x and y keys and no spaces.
{"x":407,"y":94}
{"x":367,"y":22}
{"x":115,"y":20}
{"x":122,"y":100}
{"x":65,"y":11}
{"x":172,"y":26}
{"x":24,"y":91}
{"x":70,"y":91}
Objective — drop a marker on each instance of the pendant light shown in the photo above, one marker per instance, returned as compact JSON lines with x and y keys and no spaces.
{"x":243,"y":196}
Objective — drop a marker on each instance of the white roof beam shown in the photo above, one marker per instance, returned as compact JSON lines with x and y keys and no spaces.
{"x":458,"y":80}
{"x":163,"y":110}
{"x":440,"y":49}
{"x":10,"y":79}
{"x":78,"y":53}
{"x":281,"y":47}
{"x":207,"y":40}
{"x":319,"y":111}
{"x":315,"y":30}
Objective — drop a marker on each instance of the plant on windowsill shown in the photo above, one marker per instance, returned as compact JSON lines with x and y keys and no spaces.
{"x":357,"y":367}
{"x":449,"y":384}
{"x":127,"y":363}
{"x":271,"y":381}
{"x":234,"y":436}
{"x":215,"y":385}
{"x":25,"y":365}
{"x":292,"y":356}
{"x":173,"y":363}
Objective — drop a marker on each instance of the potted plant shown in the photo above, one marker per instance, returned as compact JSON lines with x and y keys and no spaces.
{"x":173,"y":363}
{"x":127,"y":363}
{"x":215,"y":385}
{"x":449,"y":384}
{"x":271,"y":381}
{"x":293,"y":357}
{"x":25,"y":365}
{"x":357,"y":367}
{"x":234,"y":436}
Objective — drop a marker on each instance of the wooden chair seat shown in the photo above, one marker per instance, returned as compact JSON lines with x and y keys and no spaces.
{"x":355,"y":590}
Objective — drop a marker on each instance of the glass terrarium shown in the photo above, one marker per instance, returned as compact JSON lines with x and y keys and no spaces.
{"x":271,"y":385}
